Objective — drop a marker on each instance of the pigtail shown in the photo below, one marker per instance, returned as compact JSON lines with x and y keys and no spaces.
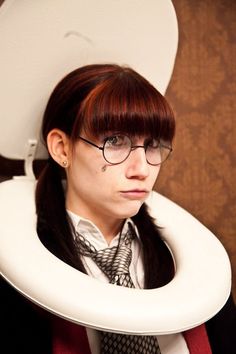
{"x":53,"y":223}
{"x":158,"y":262}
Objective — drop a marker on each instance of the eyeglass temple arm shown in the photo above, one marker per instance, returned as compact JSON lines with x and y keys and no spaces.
{"x":167,"y":147}
{"x":145,"y":147}
{"x":90,"y":142}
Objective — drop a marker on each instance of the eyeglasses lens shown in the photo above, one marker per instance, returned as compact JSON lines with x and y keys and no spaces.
{"x":157,"y":155}
{"x":117,"y":149}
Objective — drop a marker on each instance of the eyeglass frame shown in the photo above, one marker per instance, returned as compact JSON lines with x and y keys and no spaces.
{"x":132,"y":147}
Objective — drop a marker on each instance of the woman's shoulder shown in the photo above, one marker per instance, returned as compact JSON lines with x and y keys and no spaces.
{"x":25,"y":327}
{"x":221,"y":329}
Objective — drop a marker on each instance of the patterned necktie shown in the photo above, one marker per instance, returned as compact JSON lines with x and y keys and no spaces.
{"x":114,"y":263}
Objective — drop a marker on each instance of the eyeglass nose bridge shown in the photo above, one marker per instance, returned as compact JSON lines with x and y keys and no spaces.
{"x":134,"y":147}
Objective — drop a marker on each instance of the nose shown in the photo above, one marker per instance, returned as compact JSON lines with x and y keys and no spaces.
{"x":137,"y":166}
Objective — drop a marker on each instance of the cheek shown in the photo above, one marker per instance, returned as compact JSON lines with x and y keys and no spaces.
{"x":88,"y":177}
{"x":154,"y":172}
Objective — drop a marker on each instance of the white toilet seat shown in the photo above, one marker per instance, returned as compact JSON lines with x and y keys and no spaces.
{"x":199,"y":289}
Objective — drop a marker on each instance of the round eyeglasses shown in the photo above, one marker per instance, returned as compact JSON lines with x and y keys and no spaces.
{"x":117,"y":148}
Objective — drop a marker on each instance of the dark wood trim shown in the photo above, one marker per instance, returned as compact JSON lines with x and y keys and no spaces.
{"x":11,"y":167}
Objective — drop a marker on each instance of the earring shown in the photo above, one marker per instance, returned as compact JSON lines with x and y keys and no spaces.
{"x":64,"y":163}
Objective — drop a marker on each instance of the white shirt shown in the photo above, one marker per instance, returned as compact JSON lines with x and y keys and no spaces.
{"x":169,"y":344}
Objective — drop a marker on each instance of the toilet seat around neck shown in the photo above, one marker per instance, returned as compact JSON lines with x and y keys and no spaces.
{"x":198,"y":291}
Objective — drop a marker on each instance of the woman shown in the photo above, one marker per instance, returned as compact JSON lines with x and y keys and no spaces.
{"x":107,"y":130}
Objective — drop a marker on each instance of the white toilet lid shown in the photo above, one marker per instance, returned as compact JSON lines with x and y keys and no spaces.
{"x":41,"y":41}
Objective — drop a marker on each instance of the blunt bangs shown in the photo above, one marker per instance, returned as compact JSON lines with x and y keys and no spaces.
{"x":126,"y":103}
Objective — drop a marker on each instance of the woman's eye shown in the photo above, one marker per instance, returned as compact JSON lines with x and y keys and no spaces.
{"x":153,"y":143}
{"x":116,"y":140}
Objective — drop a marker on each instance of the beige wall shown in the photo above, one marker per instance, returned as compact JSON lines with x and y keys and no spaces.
{"x":201,"y":176}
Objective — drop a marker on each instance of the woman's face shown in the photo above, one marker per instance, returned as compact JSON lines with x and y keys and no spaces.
{"x":108,"y":193}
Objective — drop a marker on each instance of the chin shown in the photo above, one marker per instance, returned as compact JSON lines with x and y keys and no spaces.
{"x":132,"y":210}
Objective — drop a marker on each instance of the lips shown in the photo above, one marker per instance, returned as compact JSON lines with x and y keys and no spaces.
{"x":135,"y":194}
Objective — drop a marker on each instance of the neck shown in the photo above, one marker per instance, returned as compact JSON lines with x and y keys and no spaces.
{"x":109,"y":227}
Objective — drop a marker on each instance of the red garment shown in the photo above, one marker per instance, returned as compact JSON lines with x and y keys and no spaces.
{"x":69,"y":338}
{"x":197,"y":340}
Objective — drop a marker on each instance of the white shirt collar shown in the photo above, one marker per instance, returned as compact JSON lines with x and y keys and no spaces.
{"x":92,"y":233}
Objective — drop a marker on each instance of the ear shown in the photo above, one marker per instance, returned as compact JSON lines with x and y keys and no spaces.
{"x":59,"y":147}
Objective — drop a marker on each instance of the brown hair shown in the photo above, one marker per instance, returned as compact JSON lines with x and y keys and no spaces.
{"x":102,"y":98}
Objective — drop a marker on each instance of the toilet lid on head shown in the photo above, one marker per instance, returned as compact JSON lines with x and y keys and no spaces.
{"x":40,"y":42}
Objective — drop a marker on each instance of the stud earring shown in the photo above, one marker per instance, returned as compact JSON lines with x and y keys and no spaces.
{"x":64,"y":163}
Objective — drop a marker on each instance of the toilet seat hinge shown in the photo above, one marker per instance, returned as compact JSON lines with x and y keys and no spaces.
{"x":29,"y":158}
